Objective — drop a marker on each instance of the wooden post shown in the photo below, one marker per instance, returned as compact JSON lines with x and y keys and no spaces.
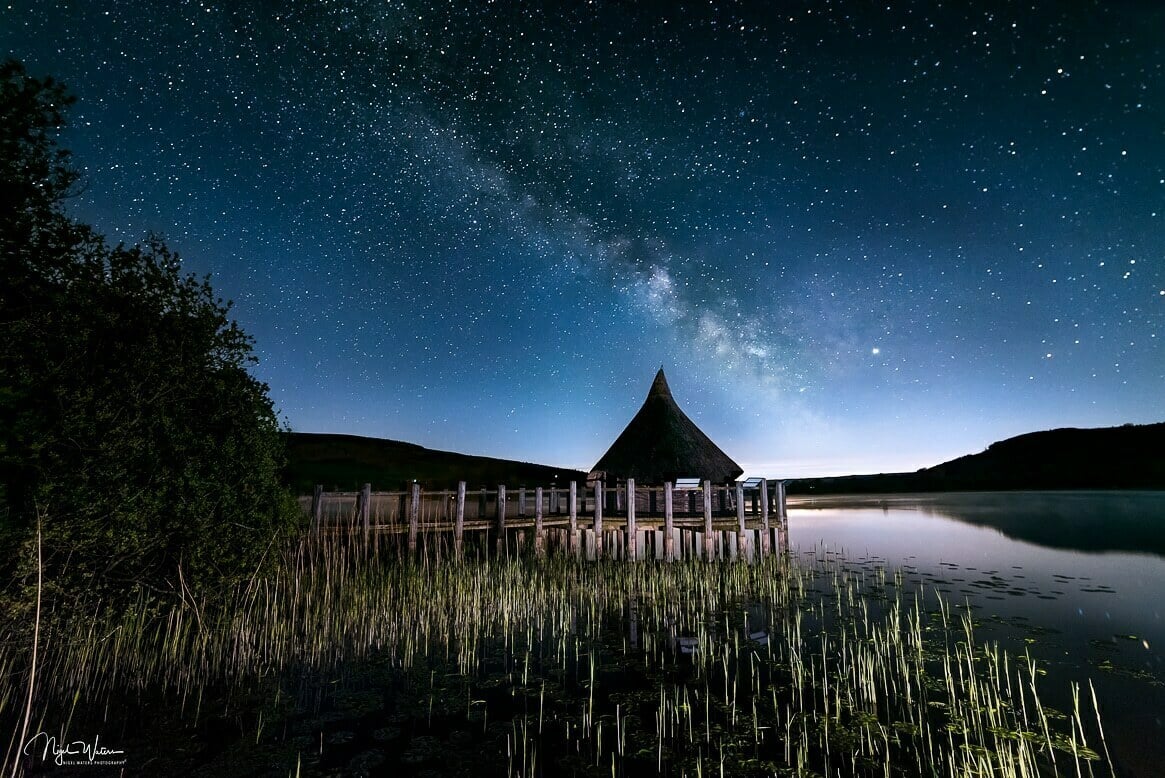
{"x":572,"y":507}
{"x":414,"y":515}
{"x":502,"y":545}
{"x":364,"y":507}
{"x":522,"y":501}
{"x":708,"y":521}
{"x":668,"y":523}
{"x":764,"y":516}
{"x":740,"y":508}
{"x":600,"y":493}
{"x":764,"y":502}
{"x":631,"y":529}
{"x":481,"y":502}
{"x":782,"y":518}
{"x":539,"y":542}
{"x":459,"y":526}
{"x":317,"y":508}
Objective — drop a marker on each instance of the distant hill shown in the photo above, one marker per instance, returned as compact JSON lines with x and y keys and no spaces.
{"x":1128,"y":457}
{"x":346,"y":462}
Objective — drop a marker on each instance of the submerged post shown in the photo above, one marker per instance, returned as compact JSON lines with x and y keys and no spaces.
{"x":764,"y":516}
{"x":599,"y":494}
{"x":364,"y":507}
{"x":414,"y":515}
{"x":459,"y":526}
{"x":502,"y":545}
{"x":539,"y":542}
{"x":317,"y":508}
{"x":572,"y":508}
{"x":631,"y":529}
{"x":740,"y":508}
{"x":708,"y":543}
{"x":668,"y":522}
{"x":782,"y":518}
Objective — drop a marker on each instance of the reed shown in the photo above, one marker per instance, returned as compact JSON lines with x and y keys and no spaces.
{"x":785,"y":666}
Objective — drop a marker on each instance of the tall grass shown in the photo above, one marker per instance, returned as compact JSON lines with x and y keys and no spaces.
{"x":782,"y":666}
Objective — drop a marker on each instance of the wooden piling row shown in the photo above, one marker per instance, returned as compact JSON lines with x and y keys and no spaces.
{"x":619,"y":544}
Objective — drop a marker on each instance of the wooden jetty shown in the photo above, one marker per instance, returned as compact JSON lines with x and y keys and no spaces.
{"x":687,"y":518}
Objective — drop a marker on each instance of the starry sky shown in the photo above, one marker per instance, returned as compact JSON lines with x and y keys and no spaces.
{"x":859,"y":236}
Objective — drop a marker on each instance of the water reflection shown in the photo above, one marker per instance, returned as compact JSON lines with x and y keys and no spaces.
{"x":1075,"y":576}
{"x":1081,"y":521}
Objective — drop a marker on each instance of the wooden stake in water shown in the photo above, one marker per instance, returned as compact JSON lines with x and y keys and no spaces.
{"x":572,"y":541}
{"x":708,"y":521}
{"x":764,"y":516}
{"x":502,"y":546}
{"x":669,"y":550}
{"x":459,"y":526}
{"x":317,"y":508}
{"x":631,"y":520}
{"x":573,"y":508}
{"x":414,"y":515}
{"x":740,"y":508}
{"x":364,"y":508}
{"x":599,"y":491}
{"x":782,"y":518}
{"x":539,"y":541}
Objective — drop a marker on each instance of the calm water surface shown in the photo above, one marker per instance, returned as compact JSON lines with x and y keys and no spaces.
{"x":1076,"y":578}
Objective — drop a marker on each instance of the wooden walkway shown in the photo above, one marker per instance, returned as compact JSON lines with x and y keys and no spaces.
{"x":738,"y":520}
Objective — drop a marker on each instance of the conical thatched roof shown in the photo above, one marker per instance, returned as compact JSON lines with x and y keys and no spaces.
{"x":662,"y":444}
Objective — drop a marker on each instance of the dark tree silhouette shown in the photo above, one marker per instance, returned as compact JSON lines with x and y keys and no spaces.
{"x":131,"y":431}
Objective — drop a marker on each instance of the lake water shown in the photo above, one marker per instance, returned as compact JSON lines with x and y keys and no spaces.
{"x":1076,"y":578}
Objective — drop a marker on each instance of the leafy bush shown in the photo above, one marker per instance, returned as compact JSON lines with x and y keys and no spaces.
{"x":131,"y":432}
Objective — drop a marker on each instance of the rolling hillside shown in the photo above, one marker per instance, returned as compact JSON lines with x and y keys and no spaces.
{"x":345,"y":462}
{"x":1127,"y":457}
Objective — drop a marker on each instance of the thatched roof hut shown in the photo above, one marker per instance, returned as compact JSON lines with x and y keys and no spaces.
{"x":662,"y":444}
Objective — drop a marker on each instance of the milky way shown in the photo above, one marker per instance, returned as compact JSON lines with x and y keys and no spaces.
{"x":859,"y":237}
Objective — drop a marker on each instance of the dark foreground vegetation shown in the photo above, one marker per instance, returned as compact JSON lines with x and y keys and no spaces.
{"x":140,"y":461}
{"x":138,"y":456}
{"x":1126,"y":457}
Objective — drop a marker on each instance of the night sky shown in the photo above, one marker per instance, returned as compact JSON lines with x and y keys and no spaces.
{"x":859,"y":236}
